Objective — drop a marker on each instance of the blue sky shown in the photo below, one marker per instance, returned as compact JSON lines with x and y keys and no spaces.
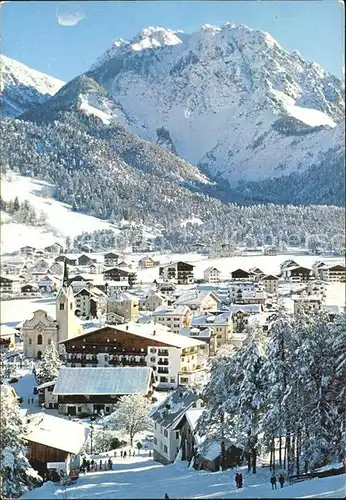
{"x":32,"y":33}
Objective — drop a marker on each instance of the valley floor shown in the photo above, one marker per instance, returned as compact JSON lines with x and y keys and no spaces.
{"x":141,"y":477}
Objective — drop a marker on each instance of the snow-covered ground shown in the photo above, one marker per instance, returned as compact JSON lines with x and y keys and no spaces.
{"x":15,"y":311}
{"x":141,"y":477}
{"x":61,"y":220}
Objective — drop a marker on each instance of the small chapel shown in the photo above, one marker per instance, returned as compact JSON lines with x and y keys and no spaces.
{"x":41,"y":330}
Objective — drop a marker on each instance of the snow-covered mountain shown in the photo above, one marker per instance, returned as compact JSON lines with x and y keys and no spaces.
{"x":22,"y":88}
{"x":229,"y":99}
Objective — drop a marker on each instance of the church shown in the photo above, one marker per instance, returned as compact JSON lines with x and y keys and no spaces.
{"x":41,"y":330}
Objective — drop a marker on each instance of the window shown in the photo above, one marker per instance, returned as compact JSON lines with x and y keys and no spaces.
{"x":30,"y":341}
{"x":165,"y":449}
{"x":71,"y":306}
{"x":62,"y":306}
{"x":165,"y":433}
{"x":177,"y":435}
{"x":49,"y":341}
{"x":155,"y":425}
{"x":155,"y":440}
{"x":172,"y":380}
{"x":39,"y":339}
{"x":79,"y":409}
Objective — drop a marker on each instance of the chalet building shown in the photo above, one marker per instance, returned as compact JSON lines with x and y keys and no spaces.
{"x":87,"y":391}
{"x":63,"y":258}
{"x":241,"y":275}
{"x":166,"y":420}
{"x":240,"y":315}
{"x":46,"y":397}
{"x":79,"y":282}
{"x":8,"y":285}
{"x":113,"y":288}
{"x":204,"y":333}
{"x":257,"y":273}
{"x":142,"y":246}
{"x":288,"y":263}
{"x":174,"y":318}
{"x":54,"y":249}
{"x":307,"y":303}
{"x":96,"y":268}
{"x":147,"y":262}
{"x":335,"y":273}
{"x":56,"y":269}
{"x":85,"y":260}
{"x":241,"y":289}
{"x":125,"y":305}
{"x":29,"y":289}
{"x":26,"y":250}
{"x":48,"y":284}
{"x":181,"y":272}
{"x":174,"y":359}
{"x":297,"y":273}
{"x":221,"y":326}
{"x":7,"y":338}
{"x":272,"y":250}
{"x":270,"y":283}
{"x":153,"y":301}
{"x":116,"y":274}
{"x":111,"y":259}
{"x":90,"y":303}
{"x":166,"y":289}
{"x":54,"y":439}
{"x":199,"y":301}
{"x":317,"y":287}
{"x":211,"y":275}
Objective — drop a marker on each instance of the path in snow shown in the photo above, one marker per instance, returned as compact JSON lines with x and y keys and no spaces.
{"x":140,"y":477}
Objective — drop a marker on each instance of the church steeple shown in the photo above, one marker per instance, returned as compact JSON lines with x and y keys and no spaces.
{"x":65,"y":280}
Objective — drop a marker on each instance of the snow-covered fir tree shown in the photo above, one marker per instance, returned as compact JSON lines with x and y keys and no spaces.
{"x":48,"y":368}
{"x":17,"y":476}
{"x":234,"y":397}
{"x":131,"y":416}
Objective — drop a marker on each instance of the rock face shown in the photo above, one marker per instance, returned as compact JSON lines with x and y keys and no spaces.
{"x":229,"y":99}
{"x":23,"y":88}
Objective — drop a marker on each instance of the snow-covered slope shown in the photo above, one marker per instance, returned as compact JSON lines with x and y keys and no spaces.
{"x":22,"y":87}
{"x":61,"y":220}
{"x":141,"y":477}
{"x":228,"y":98}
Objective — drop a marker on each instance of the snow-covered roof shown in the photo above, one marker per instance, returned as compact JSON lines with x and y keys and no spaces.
{"x":174,"y":406}
{"x":211,"y":319}
{"x":203,"y":333}
{"x":114,"y":381}
{"x":192,"y":416}
{"x":46,"y":384}
{"x":249,"y":308}
{"x":194,"y":297}
{"x":159,"y":333}
{"x":171,"y":311}
{"x":57,"y":432}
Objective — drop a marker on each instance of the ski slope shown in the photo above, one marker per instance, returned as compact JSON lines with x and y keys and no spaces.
{"x":61,"y":220}
{"x":141,"y":477}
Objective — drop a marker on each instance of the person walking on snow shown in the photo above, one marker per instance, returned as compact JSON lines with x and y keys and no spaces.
{"x":237,"y":479}
{"x":240,"y":480}
{"x":166,"y":497}
{"x":273,"y":481}
{"x":124,"y":454}
{"x":281,"y":480}
{"x":121,"y":453}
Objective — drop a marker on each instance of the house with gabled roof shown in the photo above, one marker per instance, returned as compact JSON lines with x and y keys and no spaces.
{"x":166,"y":418}
{"x":86,"y":391}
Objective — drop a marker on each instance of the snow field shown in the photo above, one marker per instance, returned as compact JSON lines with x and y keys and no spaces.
{"x":141,"y":477}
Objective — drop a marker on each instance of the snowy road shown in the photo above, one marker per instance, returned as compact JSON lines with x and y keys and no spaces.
{"x":140,"y":477}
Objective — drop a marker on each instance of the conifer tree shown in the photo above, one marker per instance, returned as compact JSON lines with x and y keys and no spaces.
{"x":48,"y":368}
{"x":17,"y":476}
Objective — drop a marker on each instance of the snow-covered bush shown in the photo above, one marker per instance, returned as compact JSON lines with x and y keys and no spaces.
{"x":48,"y":367}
